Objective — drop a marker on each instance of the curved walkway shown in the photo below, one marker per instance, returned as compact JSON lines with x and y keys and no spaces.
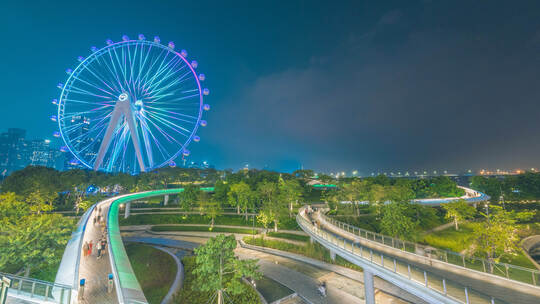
{"x":75,"y":266}
{"x":473,"y":286}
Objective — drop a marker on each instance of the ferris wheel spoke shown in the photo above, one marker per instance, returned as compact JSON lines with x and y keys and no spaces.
{"x":165,"y":134}
{"x":170,"y":101}
{"x":163,"y":68}
{"x":153,"y":61}
{"x":115,"y":70}
{"x":111,"y":72}
{"x":177,"y":82}
{"x":64,"y":117}
{"x":156,"y":141}
{"x":131,"y":68}
{"x":77,"y":90}
{"x":94,"y":86}
{"x":176,"y":118}
{"x":171,"y":71}
{"x":142,"y":64}
{"x":158,"y":110}
{"x":170,"y":124}
{"x":156,"y":90}
{"x":83,"y":101}
{"x":158,"y":68}
{"x":100,"y":77}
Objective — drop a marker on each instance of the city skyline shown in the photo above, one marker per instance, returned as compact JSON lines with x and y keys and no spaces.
{"x":405,"y":85}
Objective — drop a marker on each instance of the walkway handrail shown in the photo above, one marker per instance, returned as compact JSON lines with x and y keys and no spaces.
{"x":504,"y":270}
{"x":34,"y":289}
{"x":68,"y":271}
{"x":128,"y":288}
{"x":388,"y":268}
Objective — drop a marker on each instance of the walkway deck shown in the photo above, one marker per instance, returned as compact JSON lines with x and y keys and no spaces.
{"x":96,"y":270}
{"x":481,"y":287}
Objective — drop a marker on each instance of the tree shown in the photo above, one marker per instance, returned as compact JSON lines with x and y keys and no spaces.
{"x":188,"y":197}
{"x":291,"y":192}
{"x":273,"y":204}
{"x":211,"y":209}
{"x":395,"y":222}
{"x":39,"y":201}
{"x":221,"y":191}
{"x":497,"y":236}
{"x":376,"y":197}
{"x":22,"y":241}
{"x":219,"y":270}
{"x":85,"y":204}
{"x":240,"y":196}
{"x":458,"y":211}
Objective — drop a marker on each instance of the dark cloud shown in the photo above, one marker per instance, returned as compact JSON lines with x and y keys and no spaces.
{"x":436,"y":97}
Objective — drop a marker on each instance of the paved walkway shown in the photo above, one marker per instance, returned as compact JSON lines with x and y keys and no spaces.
{"x":148,"y":227}
{"x":93,"y":269}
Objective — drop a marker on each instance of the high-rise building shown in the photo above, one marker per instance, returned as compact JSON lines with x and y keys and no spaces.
{"x":12,"y":151}
{"x":39,"y":152}
{"x":87,"y":146}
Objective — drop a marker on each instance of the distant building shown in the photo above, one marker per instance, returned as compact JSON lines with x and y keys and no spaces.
{"x":195,"y":165}
{"x":16,"y":152}
{"x":40,"y":153}
{"x":86,"y":145}
{"x":12,"y":148}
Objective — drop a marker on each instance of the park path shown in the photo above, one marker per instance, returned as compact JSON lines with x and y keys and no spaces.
{"x":93,"y":269}
{"x":299,"y":276}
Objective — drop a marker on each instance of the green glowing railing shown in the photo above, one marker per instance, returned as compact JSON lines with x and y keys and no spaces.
{"x":128,"y":288}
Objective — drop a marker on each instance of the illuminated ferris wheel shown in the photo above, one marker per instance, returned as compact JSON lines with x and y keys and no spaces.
{"x":131,"y":106}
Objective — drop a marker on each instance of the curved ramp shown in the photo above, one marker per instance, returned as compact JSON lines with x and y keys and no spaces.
{"x":75,"y":266}
{"x":453,"y":281}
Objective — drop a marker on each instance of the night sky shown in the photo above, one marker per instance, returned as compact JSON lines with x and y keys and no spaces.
{"x":329,"y":85}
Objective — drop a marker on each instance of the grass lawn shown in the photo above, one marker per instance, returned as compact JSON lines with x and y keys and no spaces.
{"x":190,"y":294}
{"x":450,"y":238}
{"x":289,"y":236}
{"x":203,"y":228}
{"x":462,"y":239}
{"x":154,"y":269}
{"x":232,"y":220}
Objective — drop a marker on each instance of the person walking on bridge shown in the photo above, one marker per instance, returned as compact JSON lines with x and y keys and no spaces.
{"x":90,"y":245}
{"x":85,"y":249}
{"x":99,"y":249}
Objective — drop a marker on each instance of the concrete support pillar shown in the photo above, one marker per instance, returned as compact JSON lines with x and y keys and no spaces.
{"x":332,"y":255}
{"x":369,"y":288}
{"x":311,"y":240}
{"x":166,"y":200}
{"x":128,"y":210}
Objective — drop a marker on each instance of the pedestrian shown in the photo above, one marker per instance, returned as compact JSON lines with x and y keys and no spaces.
{"x":103,"y":244}
{"x":90,"y":245}
{"x":99,"y":248}
{"x":95,"y":220}
{"x":85,"y":249}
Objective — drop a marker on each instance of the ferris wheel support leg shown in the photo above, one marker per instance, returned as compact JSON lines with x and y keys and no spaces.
{"x":135,"y":139}
{"x":107,"y":138}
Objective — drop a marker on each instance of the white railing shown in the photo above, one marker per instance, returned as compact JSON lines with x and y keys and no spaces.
{"x":450,"y":291}
{"x":34,"y":290}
